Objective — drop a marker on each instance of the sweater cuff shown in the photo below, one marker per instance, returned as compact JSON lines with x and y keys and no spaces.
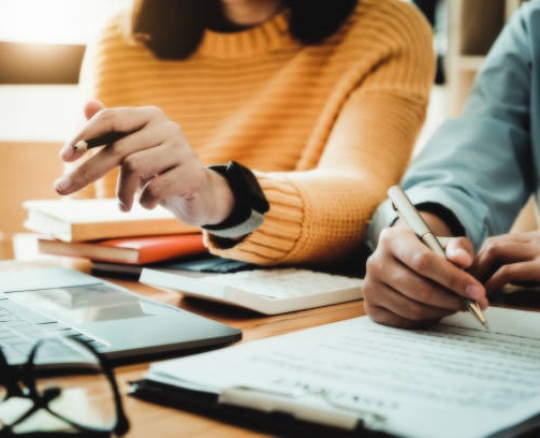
{"x":276,"y":238}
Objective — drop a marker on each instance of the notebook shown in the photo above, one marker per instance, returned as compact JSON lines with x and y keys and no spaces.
{"x":122,"y":325}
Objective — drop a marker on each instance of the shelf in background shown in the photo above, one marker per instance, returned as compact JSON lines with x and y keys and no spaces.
{"x":468,"y":62}
{"x":473,"y":27}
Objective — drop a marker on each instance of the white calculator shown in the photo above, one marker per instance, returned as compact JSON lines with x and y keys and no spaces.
{"x":267,"y":291}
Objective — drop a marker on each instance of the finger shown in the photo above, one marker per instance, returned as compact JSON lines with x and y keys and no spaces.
{"x":417,"y":257}
{"x":161,"y":172}
{"x":375,"y":305}
{"x":497,"y":252}
{"x":109,"y":120}
{"x":89,"y":171}
{"x":416,"y":287}
{"x":137,"y":172}
{"x":500,"y":250}
{"x":515,"y":272}
{"x":114,"y":155}
{"x":389,"y":307}
{"x":517,"y":237}
{"x":133,"y":175}
{"x":387,"y":276}
{"x":154,"y":154}
{"x":92,"y":107}
{"x":413,"y":310}
{"x":383,"y":316}
{"x":184,"y":181}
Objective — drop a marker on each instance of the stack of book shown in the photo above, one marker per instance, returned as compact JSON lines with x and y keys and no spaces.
{"x":116,"y":242}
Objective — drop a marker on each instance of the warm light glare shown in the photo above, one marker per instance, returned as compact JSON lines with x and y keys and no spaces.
{"x":54,"y":21}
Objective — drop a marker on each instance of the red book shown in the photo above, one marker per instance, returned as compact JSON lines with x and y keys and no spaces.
{"x":129,"y":250}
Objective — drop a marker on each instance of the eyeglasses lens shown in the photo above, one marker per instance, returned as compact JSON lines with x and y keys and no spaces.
{"x":84,"y":396}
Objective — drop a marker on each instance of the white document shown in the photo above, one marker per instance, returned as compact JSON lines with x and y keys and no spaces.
{"x":455,"y":380}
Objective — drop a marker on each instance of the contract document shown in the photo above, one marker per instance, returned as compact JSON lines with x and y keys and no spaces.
{"x":454,"y":380}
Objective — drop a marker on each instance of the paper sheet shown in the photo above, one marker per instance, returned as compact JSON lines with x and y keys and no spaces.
{"x":456,"y":380}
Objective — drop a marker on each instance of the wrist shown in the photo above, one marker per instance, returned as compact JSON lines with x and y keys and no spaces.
{"x":222,"y":198}
{"x":448,"y":218}
{"x":436,"y":224}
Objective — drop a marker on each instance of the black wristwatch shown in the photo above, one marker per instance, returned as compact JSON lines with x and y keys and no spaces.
{"x":250,"y":204}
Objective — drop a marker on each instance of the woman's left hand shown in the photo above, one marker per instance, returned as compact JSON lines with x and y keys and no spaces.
{"x":509,"y":258}
{"x":155,"y":158}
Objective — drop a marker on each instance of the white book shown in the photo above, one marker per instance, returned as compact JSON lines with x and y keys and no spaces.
{"x":454,"y":380}
{"x":269,"y":291}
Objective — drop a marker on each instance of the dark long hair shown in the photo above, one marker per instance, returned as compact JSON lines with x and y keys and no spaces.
{"x":172,"y":29}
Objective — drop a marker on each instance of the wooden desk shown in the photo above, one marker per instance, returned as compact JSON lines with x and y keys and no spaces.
{"x":148,"y":419}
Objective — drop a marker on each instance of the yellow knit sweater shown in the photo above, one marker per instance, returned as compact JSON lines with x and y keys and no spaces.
{"x":327,"y":129}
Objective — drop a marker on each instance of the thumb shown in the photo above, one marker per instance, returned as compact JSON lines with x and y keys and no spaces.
{"x":92,"y":107}
{"x":460,"y":251}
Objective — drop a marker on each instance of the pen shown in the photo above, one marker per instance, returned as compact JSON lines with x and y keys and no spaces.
{"x":416,"y":223}
{"x":108,"y":138}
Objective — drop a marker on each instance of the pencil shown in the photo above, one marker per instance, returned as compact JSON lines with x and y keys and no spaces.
{"x":416,"y":223}
{"x":102,"y":140}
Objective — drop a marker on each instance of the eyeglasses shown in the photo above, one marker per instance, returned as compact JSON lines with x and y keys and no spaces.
{"x":65,"y":388}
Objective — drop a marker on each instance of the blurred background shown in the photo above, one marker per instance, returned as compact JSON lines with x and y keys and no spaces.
{"x":42,"y":43}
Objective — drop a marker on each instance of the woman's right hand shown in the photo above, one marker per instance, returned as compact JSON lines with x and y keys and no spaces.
{"x":408,"y":285}
{"x":154,"y":158}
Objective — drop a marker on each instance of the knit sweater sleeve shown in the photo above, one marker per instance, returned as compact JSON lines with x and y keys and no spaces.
{"x":319,"y":215}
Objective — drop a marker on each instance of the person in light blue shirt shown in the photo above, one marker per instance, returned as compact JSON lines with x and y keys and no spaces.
{"x":471,"y":179}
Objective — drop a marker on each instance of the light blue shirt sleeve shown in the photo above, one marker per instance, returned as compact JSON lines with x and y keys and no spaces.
{"x":484,"y":165}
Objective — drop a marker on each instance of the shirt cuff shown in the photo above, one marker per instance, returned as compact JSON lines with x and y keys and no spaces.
{"x":445,"y":214}
{"x":385,"y":216}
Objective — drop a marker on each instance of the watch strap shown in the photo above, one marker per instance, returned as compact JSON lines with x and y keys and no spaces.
{"x":250,"y":204}
{"x":253,"y":222}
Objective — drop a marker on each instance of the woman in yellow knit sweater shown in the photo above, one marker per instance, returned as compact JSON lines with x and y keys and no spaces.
{"x":317,"y":103}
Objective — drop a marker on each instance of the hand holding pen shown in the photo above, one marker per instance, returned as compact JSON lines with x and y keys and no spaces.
{"x":155,"y":163}
{"x":410,"y":215}
{"x":409,"y":285}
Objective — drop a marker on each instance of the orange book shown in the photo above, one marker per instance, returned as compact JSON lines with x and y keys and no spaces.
{"x":129,"y":250}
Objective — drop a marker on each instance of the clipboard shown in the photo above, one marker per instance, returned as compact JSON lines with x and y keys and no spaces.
{"x":273,"y":422}
{"x":358,"y":378}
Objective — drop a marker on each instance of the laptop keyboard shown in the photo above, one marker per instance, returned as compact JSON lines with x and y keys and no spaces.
{"x":21,"y":328}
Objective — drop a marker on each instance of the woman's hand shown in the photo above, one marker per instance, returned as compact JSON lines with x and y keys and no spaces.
{"x":155,"y":158}
{"x":509,"y":258}
{"x":408,"y":285}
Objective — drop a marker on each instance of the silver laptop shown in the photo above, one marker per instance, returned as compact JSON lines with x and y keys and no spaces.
{"x":118,"y":323}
